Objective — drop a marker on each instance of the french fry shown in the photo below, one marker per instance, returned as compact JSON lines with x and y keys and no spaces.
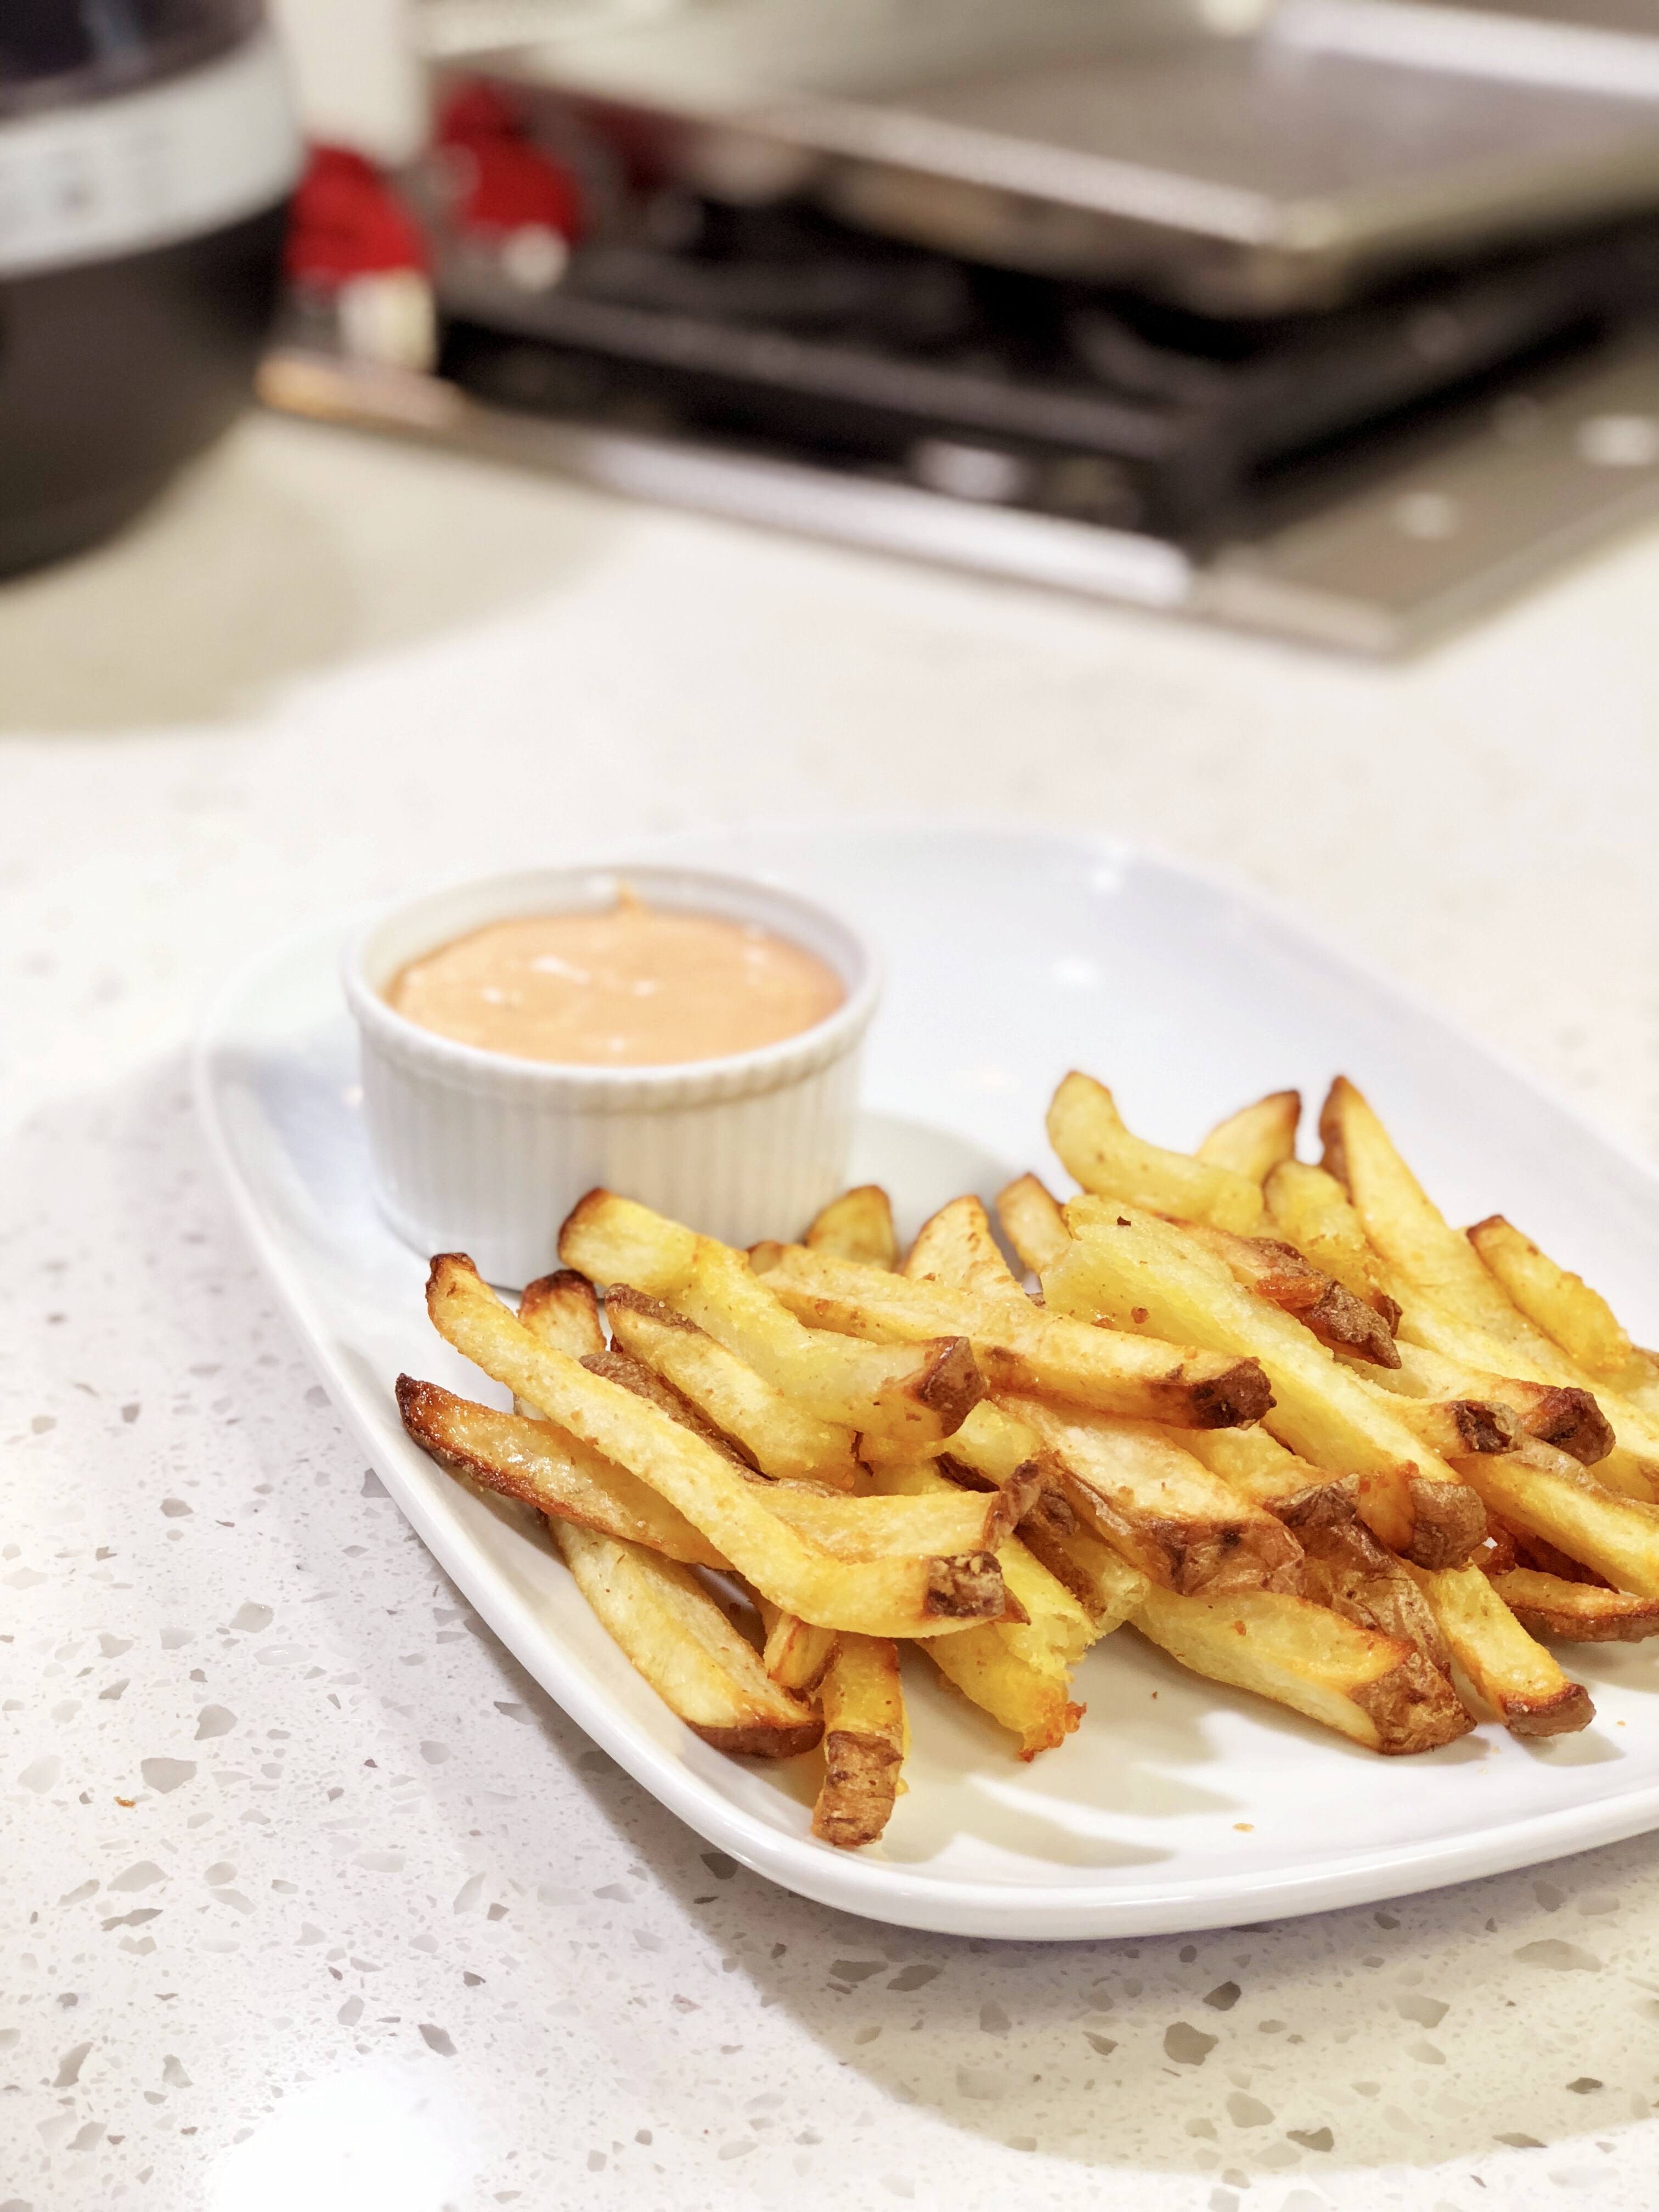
{"x":956,"y":1248}
{"x":1020,"y":1673}
{"x":1454,"y":1426}
{"x":1455,"y":1304}
{"x":1087,"y":1132}
{"x":1257,"y":1138}
{"x":908,"y":1396}
{"x":1348,"y":1570}
{"x":1161,"y":1509}
{"x":561,"y":1308}
{"x":1517,"y":1677}
{"x":1371,"y":1688}
{"x":857,"y":1225}
{"x":1549,"y":1495}
{"x":796,"y":1654}
{"x":1563,"y":1305}
{"x":1100,"y":1578}
{"x":907,"y":1596}
{"x":1569,"y":1419}
{"x":1033,"y":1223}
{"x":1310,"y":1209}
{"x":1302,"y":1495}
{"x":628,"y":1373}
{"x":865,"y":1738}
{"x":1019,"y":1346}
{"x":682,"y":1643}
{"x":1277,"y":1272}
{"x":948,"y":1524}
{"x":1128,"y":1268}
{"x":781,"y":1439}
{"x":1575,"y":1612}
{"x":541,"y":1466}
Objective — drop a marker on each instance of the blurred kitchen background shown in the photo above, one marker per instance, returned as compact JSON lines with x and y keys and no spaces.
{"x":1337,"y":318}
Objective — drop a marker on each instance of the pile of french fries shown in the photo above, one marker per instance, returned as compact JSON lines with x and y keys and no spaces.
{"x":1281,"y":1419}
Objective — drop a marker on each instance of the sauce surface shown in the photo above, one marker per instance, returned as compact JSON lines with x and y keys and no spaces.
{"x":638,"y":986}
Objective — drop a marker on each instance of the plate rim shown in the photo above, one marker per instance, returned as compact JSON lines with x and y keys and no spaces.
{"x":881,"y":1890}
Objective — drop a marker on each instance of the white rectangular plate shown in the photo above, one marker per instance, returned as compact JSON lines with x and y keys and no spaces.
{"x":1012,"y":957}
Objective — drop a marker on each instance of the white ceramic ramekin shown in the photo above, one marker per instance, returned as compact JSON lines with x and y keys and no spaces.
{"x":475,"y":1151}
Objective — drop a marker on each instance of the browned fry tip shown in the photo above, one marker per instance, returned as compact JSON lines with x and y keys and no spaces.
{"x":1413,"y":1707}
{"x":1234,"y":1400}
{"x":1449,"y":1523}
{"x":1573,"y":1422}
{"x":630,"y":1300}
{"x":1570,"y":1709}
{"x":967,"y":1588}
{"x":951,"y":1384}
{"x":763,"y":1743}
{"x":856,"y":1801}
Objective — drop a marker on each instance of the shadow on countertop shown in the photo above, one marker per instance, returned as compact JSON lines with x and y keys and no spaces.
{"x":289,"y":549}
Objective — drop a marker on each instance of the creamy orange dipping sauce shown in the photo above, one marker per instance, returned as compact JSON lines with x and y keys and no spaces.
{"x":638,"y":986}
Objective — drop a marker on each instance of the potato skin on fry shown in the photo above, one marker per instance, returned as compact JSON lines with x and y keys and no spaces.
{"x":857,"y":1800}
{"x":1574,"y":1612}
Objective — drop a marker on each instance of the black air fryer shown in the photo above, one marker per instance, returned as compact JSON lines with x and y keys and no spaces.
{"x":147,"y":153}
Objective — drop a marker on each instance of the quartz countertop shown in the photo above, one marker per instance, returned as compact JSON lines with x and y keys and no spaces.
{"x":310,"y":1895}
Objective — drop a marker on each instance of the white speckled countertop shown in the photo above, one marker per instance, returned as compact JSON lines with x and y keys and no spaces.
{"x":310,"y":1896}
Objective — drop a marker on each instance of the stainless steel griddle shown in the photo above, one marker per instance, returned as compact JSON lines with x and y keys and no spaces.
{"x":1247,"y":156}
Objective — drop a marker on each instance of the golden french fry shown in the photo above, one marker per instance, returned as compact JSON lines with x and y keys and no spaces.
{"x":1563,"y":1305}
{"x":1033,"y":1223}
{"x":857,"y":1225}
{"x":1371,"y":1688}
{"x":1257,"y":1138}
{"x":628,"y":1373}
{"x":1019,"y":1346}
{"x":1087,"y":1131}
{"x":1517,"y":1677}
{"x":1454,"y":1426}
{"x":1577,"y":1613}
{"x":947,"y":1523}
{"x":1569,"y":1419}
{"x":1310,"y":1209}
{"x":1348,"y":1570}
{"x":681,"y":1641}
{"x":796,"y":1654}
{"x":1020,"y":1672}
{"x":1277,"y":1272}
{"x":1100,"y":1578}
{"x":865,"y":1737}
{"x":956,"y":1248}
{"x":1169,"y":1516}
{"x":1549,"y":1495}
{"x":906,"y":1597}
{"x":783,"y":1441}
{"x":561,"y":1308}
{"x":909,"y":1397}
{"x":541,"y":1466}
{"x":1455,"y":1304}
{"x":1301,"y":1494}
{"x":1129,"y":1269}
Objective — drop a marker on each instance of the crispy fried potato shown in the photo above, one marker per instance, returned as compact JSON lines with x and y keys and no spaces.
{"x":679,"y":1639}
{"x":796,"y":1654}
{"x":561,"y":1308}
{"x":1100,"y":1578}
{"x":1257,"y":1138}
{"x":1163,"y":1510}
{"x":947,"y":1523}
{"x":1549,"y":1495}
{"x":1033,"y":1223}
{"x":1277,"y":1272}
{"x":908,"y":1396}
{"x":956,"y":1248}
{"x":541,"y":1466}
{"x":1019,"y":1346}
{"x":1371,"y":1688}
{"x":1563,"y":1305}
{"x":1087,"y":1132}
{"x":907,"y":1596}
{"x":1310,"y":1209}
{"x":1569,"y":1420}
{"x":1515,"y":1676}
{"x":857,"y":1225}
{"x":1302,"y":1495}
{"x":1128,"y":1268}
{"x":1453,"y":1304}
{"x":781,"y":1439}
{"x":865,"y":1737}
{"x":1456,"y":1426}
{"x":1020,"y":1673}
{"x":1348,"y":1570}
{"x":622,"y":1368}
{"x":1575,"y":1612}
